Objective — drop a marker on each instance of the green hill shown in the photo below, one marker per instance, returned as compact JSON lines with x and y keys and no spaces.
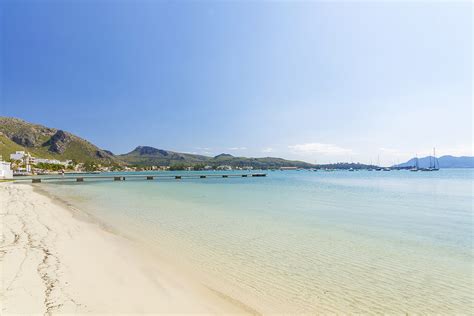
{"x":7,"y":147}
{"x":147,"y":156}
{"x":45,"y":142}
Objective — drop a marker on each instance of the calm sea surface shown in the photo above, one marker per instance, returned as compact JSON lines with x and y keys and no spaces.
{"x":302,"y":241}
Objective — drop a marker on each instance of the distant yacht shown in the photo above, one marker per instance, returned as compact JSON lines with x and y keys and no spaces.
{"x":416,"y":167}
{"x":378,"y":164}
{"x":435,"y":161}
{"x":370,"y":166}
{"x":434,"y":164}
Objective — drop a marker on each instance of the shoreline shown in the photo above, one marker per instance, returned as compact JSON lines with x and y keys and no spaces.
{"x":58,"y":259}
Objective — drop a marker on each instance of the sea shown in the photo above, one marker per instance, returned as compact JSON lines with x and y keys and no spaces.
{"x":303,"y":241}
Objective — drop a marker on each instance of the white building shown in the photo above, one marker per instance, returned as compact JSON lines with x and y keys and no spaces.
{"x":5,"y":171}
{"x":17,"y":155}
{"x":26,"y":159}
{"x":50,"y":161}
{"x":33,"y":161}
{"x":224,"y":167}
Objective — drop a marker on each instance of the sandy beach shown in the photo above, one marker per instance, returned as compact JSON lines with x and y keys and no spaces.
{"x":54,"y":261}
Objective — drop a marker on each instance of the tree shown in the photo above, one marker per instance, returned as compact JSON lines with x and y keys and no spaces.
{"x":178,"y":166}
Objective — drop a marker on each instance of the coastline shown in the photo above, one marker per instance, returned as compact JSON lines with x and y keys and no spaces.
{"x":57,"y":260}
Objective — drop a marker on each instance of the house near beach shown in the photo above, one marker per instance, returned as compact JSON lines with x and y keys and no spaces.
{"x":18,"y":155}
{"x":5,"y":170}
{"x":224,"y":167}
{"x":28,"y":161}
{"x":52,"y":161}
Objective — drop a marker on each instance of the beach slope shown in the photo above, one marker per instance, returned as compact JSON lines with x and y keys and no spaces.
{"x":52,"y":261}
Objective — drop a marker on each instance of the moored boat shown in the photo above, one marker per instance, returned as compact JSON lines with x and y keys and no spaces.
{"x":415,"y":167}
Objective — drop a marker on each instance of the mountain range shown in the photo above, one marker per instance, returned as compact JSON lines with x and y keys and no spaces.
{"x":46,"y":142}
{"x":443,"y":161}
{"x":146,"y":156}
{"x":51,"y":143}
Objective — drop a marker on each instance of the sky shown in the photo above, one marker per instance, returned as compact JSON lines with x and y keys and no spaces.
{"x":314,"y":81}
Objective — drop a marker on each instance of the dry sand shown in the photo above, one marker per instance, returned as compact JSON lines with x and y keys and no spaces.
{"x":52,"y":262}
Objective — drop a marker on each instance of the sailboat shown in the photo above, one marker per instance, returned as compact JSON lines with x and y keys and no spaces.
{"x":378,"y":164}
{"x":416,"y":167}
{"x":435,"y":166}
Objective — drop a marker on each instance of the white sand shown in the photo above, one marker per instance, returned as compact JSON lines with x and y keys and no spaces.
{"x":51,"y":261}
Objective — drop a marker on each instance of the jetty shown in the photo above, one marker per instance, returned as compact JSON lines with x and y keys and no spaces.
{"x":123,"y":177}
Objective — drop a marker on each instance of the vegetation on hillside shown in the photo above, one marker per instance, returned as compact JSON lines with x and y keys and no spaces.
{"x":7,"y":147}
{"x":50,"y":143}
{"x":149,"y":156}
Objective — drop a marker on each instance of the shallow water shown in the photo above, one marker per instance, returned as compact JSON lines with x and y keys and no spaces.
{"x":301,"y":241}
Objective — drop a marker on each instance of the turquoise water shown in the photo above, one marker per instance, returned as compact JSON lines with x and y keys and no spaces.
{"x":301,"y":241}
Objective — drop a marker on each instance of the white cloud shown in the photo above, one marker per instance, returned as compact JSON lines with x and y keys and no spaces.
{"x":237,"y":148}
{"x":267,"y":150}
{"x":319,"y":148}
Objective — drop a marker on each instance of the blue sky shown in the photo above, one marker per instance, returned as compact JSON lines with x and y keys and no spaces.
{"x":315,"y":81}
